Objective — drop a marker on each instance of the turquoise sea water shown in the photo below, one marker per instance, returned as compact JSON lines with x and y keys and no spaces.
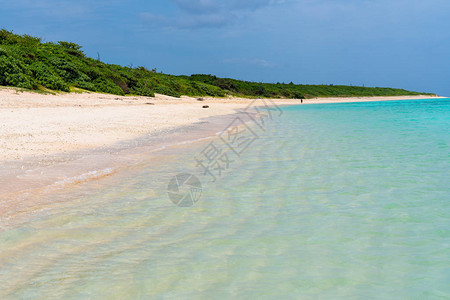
{"x":332,"y":201}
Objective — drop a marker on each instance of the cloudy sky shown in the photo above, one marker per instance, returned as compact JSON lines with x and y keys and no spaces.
{"x":395,"y":43}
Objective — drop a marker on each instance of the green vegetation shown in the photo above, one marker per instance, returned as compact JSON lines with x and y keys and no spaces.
{"x":297,"y":91}
{"x":26,"y":62}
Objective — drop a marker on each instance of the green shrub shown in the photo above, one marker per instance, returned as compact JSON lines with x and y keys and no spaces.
{"x":3,"y":52}
{"x":20,"y":80}
{"x":64,"y":68}
{"x":8,"y":38}
{"x":13,"y":72}
{"x":29,"y":41}
{"x":207,"y":90}
{"x":10,"y":65}
{"x":89,"y":86}
{"x":70,"y":45}
{"x":107,"y":86}
{"x":143,"y":87}
{"x":46,"y":77}
{"x":54,"y":82}
{"x":122,"y":84}
{"x":72,"y":48}
{"x":92,"y":72}
{"x":165,"y":90}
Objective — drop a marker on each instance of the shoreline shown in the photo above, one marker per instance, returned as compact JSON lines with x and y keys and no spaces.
{"x":38,"y":124}
{"x":120,"y":132}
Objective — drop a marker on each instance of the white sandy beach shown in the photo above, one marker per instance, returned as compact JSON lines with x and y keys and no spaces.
{"x":35,"y":124}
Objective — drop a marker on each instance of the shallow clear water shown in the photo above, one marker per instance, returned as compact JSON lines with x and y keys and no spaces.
{"x":332,"y":201}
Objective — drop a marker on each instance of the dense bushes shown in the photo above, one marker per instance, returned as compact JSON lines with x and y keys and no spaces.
{"x":15,"y":73}
{"x":296,"y":91}
{"x":106,"y":85}
{"x":143,"y":88}
{"x":45,"y":76}
{"x":28,"y":63}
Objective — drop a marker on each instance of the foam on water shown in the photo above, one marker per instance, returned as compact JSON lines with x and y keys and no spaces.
{"x":331,"y":201}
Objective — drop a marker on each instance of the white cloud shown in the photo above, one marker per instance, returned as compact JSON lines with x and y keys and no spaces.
{"x":194,"y":14}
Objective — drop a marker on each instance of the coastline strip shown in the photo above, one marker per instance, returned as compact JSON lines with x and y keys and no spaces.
{"x":127,"y":131}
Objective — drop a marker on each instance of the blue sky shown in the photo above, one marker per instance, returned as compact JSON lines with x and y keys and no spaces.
{"x":395,"y":43}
